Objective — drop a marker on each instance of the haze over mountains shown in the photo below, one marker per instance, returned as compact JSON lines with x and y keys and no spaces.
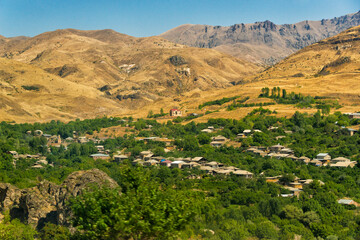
{"x":261,"y":42}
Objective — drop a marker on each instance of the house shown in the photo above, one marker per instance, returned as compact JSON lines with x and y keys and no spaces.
{"x":273,"y":128}
{"x":256,"y":151}
{"x":340,"y":159}
{"x":42,"y":161}
{"x":252,"y":149}
{"x":177,"y":164}
{"x":83,"y":140}
{"x":232,"y":168}
{"x":308,"y":181}
{"x":304,"y":159}
{"x":14,"y":154}
{"x":100,"y":156}
{"x":38,"y":166}
{"x":286,"y":151}
{"x":206,"y":130}
{"x":222,"y":172}
{"x":348,"y":202}
{"x":351,"y":131}
{"x":274,"y":179}
{"x":294,"y":191}
{"x":146,"y":154}
{"x":219,"y":138}
{"x":276,"y":148}
{"x":292,"y":157}
{"x":287,"y":195}
{"x":216,"y":144}
{"x":198,"y":159}
{"x":138,"y":162}
{"x":151,"y":162}
{"x":342,"y":162}
{"x":241,"y":135}
{"x":213,"y":164}
{"x":166,"y":163}
{"x":316,"y":162}
{"x":262,"y":148}
{"x":353,"y":115}
{"x":247,"y":132}
{"x":207,"y":169}
{"x":100,"y":148}
{"x":296,"y":184}
{"x":324,"y":158}
{"x":243,"y":173}
{"x":120,"y":158}
{"x":277,"y":155}
{"x":190,"y":165}
{"x":175,"y":112}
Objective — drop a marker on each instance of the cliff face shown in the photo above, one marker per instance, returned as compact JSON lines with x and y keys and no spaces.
{"x":46,"y":202}
{"x":261,"y":42}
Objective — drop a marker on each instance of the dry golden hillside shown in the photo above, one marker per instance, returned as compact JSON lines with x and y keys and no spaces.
{"x":91,"y":73}
{"x":127,"y":67}
{"x":330,"y":68}
{"x":28,"y":94}
{"x":336,"y":55}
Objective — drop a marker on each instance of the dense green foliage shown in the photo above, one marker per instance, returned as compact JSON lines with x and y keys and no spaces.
{"x":218,"y":101}
{"x":163,"y":203}
{"x":282,"y":97}
{"x":30,"y":88}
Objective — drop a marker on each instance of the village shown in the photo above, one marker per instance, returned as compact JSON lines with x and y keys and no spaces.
{"x":148,"y":158}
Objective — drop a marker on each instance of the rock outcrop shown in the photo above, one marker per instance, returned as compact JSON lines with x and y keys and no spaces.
{"x":46,"y":202}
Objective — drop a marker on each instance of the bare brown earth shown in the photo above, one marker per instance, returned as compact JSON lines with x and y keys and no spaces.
{"x":84,"y":74}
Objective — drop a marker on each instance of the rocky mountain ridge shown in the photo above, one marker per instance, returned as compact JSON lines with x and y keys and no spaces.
{"x":261,"y":42}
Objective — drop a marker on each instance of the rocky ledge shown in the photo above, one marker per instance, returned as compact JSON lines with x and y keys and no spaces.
{"x":46,"y":202}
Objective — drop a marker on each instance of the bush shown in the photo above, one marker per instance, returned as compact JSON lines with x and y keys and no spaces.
{"x":30,"y":88}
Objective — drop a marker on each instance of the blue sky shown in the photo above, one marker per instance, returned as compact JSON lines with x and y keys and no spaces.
{"x":143,"y":18}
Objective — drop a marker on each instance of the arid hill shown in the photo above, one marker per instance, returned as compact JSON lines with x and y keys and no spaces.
{"x":336,"y":55}
{"x":28,"y":94}
{"x":261,"y":42}
{"x":329,"y":68}
{"x":89,"y":73}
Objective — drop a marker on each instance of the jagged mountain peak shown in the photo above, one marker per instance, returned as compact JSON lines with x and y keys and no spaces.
{"x":261,"y":42}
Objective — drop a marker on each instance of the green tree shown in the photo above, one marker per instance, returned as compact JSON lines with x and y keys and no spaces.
{"x":204,"y":138}
{"x":144,"y":213}
{"x":54,"y":232}
{"x":15,"y":230}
